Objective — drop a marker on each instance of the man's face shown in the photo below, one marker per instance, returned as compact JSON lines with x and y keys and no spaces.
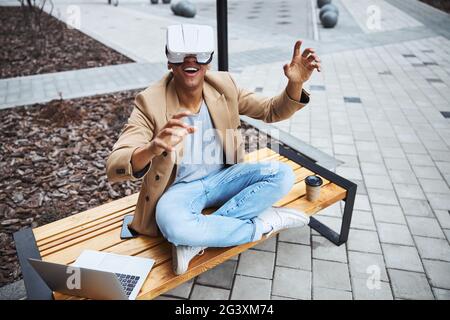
{"x":189,"y":74}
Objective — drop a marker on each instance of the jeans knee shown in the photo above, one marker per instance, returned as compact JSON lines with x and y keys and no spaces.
{"x":172,"y":224}
{"x":286,"y":177}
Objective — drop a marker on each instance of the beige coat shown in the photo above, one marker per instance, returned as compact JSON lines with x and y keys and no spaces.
{"x":155,"y":106}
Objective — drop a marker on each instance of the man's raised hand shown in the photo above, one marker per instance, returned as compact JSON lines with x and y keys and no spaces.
{"x":302,"y":65}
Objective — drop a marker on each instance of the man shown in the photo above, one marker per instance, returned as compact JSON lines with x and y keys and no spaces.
{"x":179,"y":181}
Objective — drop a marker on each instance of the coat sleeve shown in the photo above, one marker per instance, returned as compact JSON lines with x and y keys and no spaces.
{"x":272,"y":109}
{"x":137,"y":132}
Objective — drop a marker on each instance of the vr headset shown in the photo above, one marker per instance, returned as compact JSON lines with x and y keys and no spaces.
{"x":190,"y":40}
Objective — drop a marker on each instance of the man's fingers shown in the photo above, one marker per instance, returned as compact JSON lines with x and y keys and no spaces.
{"x":307,"y":52}
{"x":181,"y":115}
{"x":163,"y":145}
{"x":175,"y":132}
{"x":297,"y":47}
{"x":313,"y":57}
{"x":314,"y":65}
{"x":176,"y":123}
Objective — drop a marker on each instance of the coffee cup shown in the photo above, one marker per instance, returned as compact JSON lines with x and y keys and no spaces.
{"x":313,"y":186}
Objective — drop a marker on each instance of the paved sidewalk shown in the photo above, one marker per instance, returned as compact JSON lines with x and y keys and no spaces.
{"x":78,"y":83}
{"x":379,"y":106}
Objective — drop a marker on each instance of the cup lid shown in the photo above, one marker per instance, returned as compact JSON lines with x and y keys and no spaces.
{"x":313,"y":181}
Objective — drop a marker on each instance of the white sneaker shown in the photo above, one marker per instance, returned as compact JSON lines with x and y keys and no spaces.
{"x":283,"y":218}
{"x":182,"y":255}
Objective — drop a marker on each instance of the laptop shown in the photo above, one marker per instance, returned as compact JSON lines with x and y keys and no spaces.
{"x":96,"y":275}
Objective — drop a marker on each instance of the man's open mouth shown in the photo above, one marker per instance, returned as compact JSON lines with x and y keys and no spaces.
{"x":191,"y":70}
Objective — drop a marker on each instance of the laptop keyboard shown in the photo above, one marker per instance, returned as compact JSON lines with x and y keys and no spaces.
{"x":128,"y":282}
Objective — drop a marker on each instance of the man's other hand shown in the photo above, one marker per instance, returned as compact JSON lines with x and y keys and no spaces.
{"x":171,"y":134}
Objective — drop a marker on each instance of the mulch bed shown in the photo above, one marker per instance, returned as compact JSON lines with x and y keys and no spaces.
{"x":52,"y":163}
{"x":65,"y":49}
{"x":443,"y":5}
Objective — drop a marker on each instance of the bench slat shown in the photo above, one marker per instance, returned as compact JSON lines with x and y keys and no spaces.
{"x":96,"y":225}
{"x":84,"y":217}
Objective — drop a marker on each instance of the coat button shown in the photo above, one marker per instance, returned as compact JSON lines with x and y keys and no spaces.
{"x":157,"y":177}
{"x":164,"y":154}
{"x":147,"y":198}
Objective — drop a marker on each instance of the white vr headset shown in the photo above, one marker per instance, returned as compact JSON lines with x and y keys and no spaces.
{"x":190,"y":40}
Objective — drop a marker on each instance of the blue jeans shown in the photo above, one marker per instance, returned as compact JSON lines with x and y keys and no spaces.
{"x":241,"y":191}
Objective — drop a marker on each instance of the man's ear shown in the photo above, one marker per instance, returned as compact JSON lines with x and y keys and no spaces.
{"x":169,"y":67}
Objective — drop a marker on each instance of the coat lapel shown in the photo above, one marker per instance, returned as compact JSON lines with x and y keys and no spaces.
{"x":172,"y":102}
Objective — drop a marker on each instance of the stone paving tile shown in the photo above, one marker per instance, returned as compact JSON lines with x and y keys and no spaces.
{"x":434,"y":186}
{"x":256,"y":263}
{"x":292,"y":283}
{"x":394,"y":233}
{"x":402,"y":257}
{"x":364,"y":241}
{"x":443,"y":217}
{"x":294,"y":256}
{"x":410,"y":285}
{"x":362,"y":203}
{"x":363,"y":220}
{"x":426,"y":172}
{"x":414,"y":207}
{"x":378,"y":181}
{"x":438,"y":272}
{"x":200,"y":292}
{"x":373,"y":168}
{"x":249,"y":288}
{"x":439,"y":201}
{"x":221,"y":276}
{"x":330,"y":294}
{"x":381,"y":196}
{"x":409,"y":191}
{"x":325,"y":250}
{"x":441,"y":294}
{"x":387,"y":213}
{"x":183,"y":290}
{"x":268,"y":245}
{"x":447,"y":234}
{"x":362,"y":265}
{"x":430,"y":248}
{"x":296,"y":235}
{"x":397,"y":164}
{"x":403,"y":176}
{"x":362,"y":290}
{"x":427,"y":227}
{"x":332,"y":222}
{"x":330,"y":274}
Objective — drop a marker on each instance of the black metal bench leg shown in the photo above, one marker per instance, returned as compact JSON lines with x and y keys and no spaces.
{"x":26,"y":247}
{"x":330,"y":234}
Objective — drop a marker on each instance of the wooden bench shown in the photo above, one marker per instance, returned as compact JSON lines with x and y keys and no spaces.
{"x":99,"y":229}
